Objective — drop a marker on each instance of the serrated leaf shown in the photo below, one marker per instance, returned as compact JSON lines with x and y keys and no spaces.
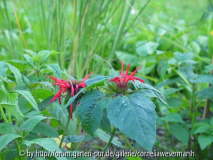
{"x":56,"y":70}
{"x":105,"y":137}
{"x":183,"y":57}
{"x":208,"y":68}
{"x":45,"y":129}
{"x":7,"y":138}
{"x":61,"y":114}
{"x":41,"y":93}
{"x":134,"y":116}
{"x":162,"y":67}
{"x":10,"y":102}
{"x":6,"y":128}
{"x":43,"y":55}
{"x":29,"y":60}
{"x":90,"y":110}
{"x":37,"y":84}
{"x":30,"y":123}
{"x":73,"y":138}
{"x":128,"y":58}
{"x":180,"y":133}
{"x":203,"y":79}
{"x":28,"y":96}
{"x":175,"y":117}
{"x":148,"y":90}
{"x":105,"y":124}
{"x":17,"y":74}
{"x":47,"y":143}
{"x":205,"y":140}
{"x":205,"y":93}
{"x":30,"y":52}
{"x":144,"y":48}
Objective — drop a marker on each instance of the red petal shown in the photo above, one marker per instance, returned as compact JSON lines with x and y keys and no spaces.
{"x":122,"y":68}
{"x":135,"y":71}
{"x":86,"y":77}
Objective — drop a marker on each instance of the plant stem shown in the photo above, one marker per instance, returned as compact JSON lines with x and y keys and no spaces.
{"x":170,"y":137}
{"x":65,"y":131}
{"x":110,"y":140}
{"x":128,"y":143}
{"x":18,"y":149}
{"x":3,"y":114}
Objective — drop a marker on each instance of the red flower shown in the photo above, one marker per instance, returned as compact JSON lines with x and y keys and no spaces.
{"x":124,"y":78}
{"x":72,"y":86}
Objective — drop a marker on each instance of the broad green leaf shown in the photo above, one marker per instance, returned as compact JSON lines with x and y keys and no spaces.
{"x":10,"y":102}
{"x":203,"y":129}
{"x":134,"y":116}
{"x":97,"y":81}
{"x":10,"y":85}
{"x":105,"y":137}
{"x":170,"y":91}
{"x":183,"y":57}
{"x":211,"y":121}
{"x":208,"y":68}
{"x":148,"y":90}
{"x":6,"y":128}
{"x":41,"y":93}
{"x":28,"y":96}
{"x":56,"y":70}
{"x":203,"y":79}
{"x":30,"y":123}
{"x":162,"y":67}
{"x":30,"y":52}
{"x":47,"y":143}
{"x":61,"y":114}
{"x":180,"y":133}
{"x":29,"y":60}
{"x":205,"y":93}
{"x":174,"y":102}
{"x":44,"y":103}
{"x":17,"y":74}
{"x":205,"y":140}
{"x":38,"y":84}
{"x":7,"y":138}
{"x":175,"y":117}
{"x":128,"y":58}
{"x":20,"y":65}
{"x":43,"y":55}
{"x":91,"y":109}
{"x":45,"y":129}
{"x":144,"y":48}
{"x":105,"y":124}
{"x":73,"y":138}
{"x":4,"y":68}
{"x":187,"y":72}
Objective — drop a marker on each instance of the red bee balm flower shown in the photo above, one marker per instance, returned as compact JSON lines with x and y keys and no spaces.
{"x":71,"y":86}
{"x":121,"y":81}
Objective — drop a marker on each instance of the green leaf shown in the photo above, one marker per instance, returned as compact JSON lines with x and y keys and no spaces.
{"x":170,"y":91}
{"x":144,"y":48}
{"x":208,"y":68}
{"x":47,"y":143}
{"x":97,"y":81}
{"x":105,"y":124}
{"x":38,"y":84}
{"x":29,"y":60}
{"x":175,"y":117}
{"x":162,"y":67}
{"x":17,"y":74}
{"x":183,"y":57}
{"x":30,"y":52}
{"x":4,"y":68}
{"x":28,"y":96}
{"x":202,"y":129}
{"x":180,"y":133}
{"x":205,"y":140}
{"x":149,"y":91}
{"x":45,"y":129}
{"x":10,"y":102}
{"x":128,"y":58}
{"x":73,"y":138}
{"x":105,"y":137}
{"x":30,"y":123}
{"x":6,"y":128}
{"x":61,"y":114}
{"x":90,"y":110}
{"x":7,"y":138}
{"x":205,"y":93}
{"x":56,"y":70}
{"x":174,"y":102}
{"x":134,"y":116}
{"x":43,"y":55}
{"x":203,"y":79}
{"x":41,"y":93}
{"x":211,"y":121}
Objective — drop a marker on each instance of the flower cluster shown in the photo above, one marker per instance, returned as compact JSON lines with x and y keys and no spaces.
{"x":71,"y":86}
{"x":122,"y":81}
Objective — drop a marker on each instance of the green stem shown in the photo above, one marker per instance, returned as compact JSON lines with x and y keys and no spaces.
{"x":110,"y":140}
{"x":18,"y":149}
{"x":170,"y":137}
{"x":128,"y":143}
{"x":3,"y":114}
{"x":65,"y":131}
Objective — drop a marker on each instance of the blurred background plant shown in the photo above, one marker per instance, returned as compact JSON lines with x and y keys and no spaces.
{"x":171,"y":40}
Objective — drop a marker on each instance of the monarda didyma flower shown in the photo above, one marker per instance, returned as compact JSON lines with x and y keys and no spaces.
{"x":122,"y":81}
{"x":72,"y":86}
